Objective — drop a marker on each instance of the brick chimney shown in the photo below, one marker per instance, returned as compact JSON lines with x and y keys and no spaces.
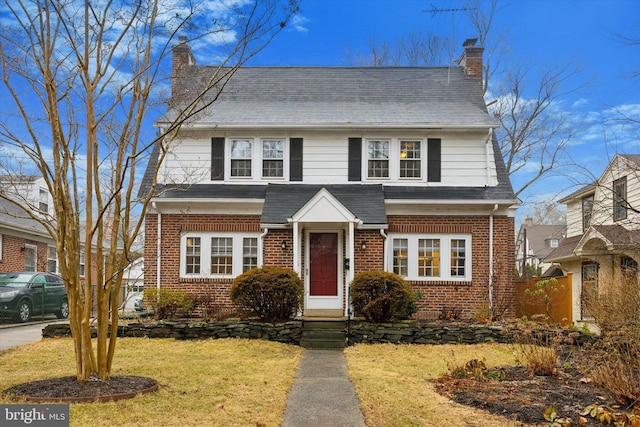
{"x":182,"y":59}
{"x":471,"y":59}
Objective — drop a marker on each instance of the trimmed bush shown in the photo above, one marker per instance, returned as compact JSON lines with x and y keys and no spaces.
{"x":271,"y":293}
{"x":381,"y":296}
{"x":166,"y":303}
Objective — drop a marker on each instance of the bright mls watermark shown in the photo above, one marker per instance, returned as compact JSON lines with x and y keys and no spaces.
{"x":34,"y":415}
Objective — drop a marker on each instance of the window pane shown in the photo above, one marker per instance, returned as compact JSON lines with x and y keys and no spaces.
{"x":378,"y":163}
{"x":400,"y":257}
{"x":587,"y":208}
{"x":193,"y":255}
{"x":241,"y":157}
{"x":410,"y":164}
{"x":52,"y":259}
{"x":249,"y":253}
{"x":429,"y":257}
{"x":222,"y":255}
{"x":458,"y":255}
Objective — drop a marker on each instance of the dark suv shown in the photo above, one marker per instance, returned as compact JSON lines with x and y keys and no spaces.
{"x":24,"y":294}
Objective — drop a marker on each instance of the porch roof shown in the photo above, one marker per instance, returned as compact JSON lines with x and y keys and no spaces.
{"x":365,"y":202}
{"x":614,"y":236}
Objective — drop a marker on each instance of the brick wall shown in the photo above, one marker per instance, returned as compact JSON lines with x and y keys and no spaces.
{"x":13,"y":254}
{"x":462,"y":299}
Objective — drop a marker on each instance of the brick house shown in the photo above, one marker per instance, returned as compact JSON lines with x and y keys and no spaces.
{"x":332,"y":171}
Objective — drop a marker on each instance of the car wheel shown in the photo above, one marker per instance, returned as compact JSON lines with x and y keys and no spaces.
{"x":24,"y":311}
{"x":63,"y":313}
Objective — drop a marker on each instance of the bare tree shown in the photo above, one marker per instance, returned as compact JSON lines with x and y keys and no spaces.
{"x":82,"y":83}
{"x":535,"y":127}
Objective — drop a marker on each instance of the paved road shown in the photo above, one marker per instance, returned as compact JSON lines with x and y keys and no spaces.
{"x":14,"y":335}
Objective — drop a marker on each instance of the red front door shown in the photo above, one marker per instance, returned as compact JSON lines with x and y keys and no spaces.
{"x":323,"y":264}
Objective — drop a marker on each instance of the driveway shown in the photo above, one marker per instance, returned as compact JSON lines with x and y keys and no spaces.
{"x":17,"y":334}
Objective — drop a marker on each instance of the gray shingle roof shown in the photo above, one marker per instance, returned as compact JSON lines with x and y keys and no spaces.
{"x":14,"y":217}
{"x":365,"y":202}
{"x":333,"y":96}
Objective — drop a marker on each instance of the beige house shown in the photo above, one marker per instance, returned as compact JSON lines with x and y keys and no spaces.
{"x":603,"y":231}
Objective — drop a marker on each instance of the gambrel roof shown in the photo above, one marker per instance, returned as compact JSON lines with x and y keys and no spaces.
{"x":389,"y":97}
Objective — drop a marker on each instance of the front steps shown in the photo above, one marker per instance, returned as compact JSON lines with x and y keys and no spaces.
{"x":324,"y":333}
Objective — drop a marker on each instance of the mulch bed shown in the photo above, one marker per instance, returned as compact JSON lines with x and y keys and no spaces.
{"x":524,"y":398}
{"x":70,"y":390}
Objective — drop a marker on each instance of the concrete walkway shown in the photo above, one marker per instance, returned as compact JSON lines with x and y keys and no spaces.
{"x":322,"y":394}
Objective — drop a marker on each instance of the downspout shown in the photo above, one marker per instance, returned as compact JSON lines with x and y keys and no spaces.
{"x":262,"y":236}
{"x":158,"y":246}
{"x":384,"y":250}
{"x":495,"y":208}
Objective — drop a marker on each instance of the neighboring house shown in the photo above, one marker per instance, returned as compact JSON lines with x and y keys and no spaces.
{"x":603,"y":231}
{"x":534,"y":243}
{"x":332,"y":171}
{"x":133,"y":283}
{"x":25,"y":244}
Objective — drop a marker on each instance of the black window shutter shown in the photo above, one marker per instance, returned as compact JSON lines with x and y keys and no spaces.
{"x":295,"y":159}
{"x":217,"y":159}
{"x":355,"y":159}
{"x":434,"y":162}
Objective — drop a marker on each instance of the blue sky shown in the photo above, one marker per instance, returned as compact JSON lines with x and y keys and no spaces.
{"x":541,"y":33}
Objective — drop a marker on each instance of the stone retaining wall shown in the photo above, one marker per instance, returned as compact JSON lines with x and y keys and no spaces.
{"x":408,"y":332}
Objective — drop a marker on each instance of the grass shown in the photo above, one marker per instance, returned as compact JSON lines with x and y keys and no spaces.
{"x":230,"y":382}
{"x":395,"y":388}
{"x":235,"y":382}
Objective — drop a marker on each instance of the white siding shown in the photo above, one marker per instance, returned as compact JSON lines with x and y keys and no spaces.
{"x":465,"y":157}
{"x":574,"y":218}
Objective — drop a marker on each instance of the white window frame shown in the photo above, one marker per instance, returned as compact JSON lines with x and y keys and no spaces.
{"x":395,"y":159}
{"x":445,"y":256}
{"x":33,"y":248}
{"x":205,"y":253}
{"x":54,"y":259}
{"x":257,"y":158}
{"x":82,"y":263}
{"x":43,"y":200}
{"x":282,"y":159}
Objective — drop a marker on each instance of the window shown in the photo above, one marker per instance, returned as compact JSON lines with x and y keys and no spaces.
{"x":587,"y":209}
{"x":222,"y":255}
{"x":43,"y":199}
{"x":620,"y":199}
{"x":192,"y":254}
{"x":241,"y":157}
{"x":82,"y":262}
{"x":458,"y":258}
{"x":229,"y":254}
{"x":410,"y":164}
{"x":400,"y":257}
{"x":378,"y":159}
{"x":249,"y":253}
{"x":52,"y":259}
{"x":30,"y":258}
{"x":629,"y":267}
{"x":431,"y":257}
{"x":273,"y":158}
{"x":553,"y":243}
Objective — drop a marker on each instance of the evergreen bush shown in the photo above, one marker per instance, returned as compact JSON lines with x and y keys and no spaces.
{"x":271,"y":293}
{"x":381,"y":296}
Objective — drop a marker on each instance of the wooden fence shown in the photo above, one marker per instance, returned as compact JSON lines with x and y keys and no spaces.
{"x":558,"y":295}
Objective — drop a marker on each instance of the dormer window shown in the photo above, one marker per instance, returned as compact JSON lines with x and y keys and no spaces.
{"x":620,"y":199}
{"x":553,"y":243}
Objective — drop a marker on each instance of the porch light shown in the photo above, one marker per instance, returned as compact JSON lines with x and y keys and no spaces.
{"x":363,"y":245}
{"x":283,"y":245}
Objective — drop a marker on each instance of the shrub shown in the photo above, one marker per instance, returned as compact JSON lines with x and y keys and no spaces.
{"x":271,"y":293}
{"x":380,"y":296}
{"x":166,"y":303}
